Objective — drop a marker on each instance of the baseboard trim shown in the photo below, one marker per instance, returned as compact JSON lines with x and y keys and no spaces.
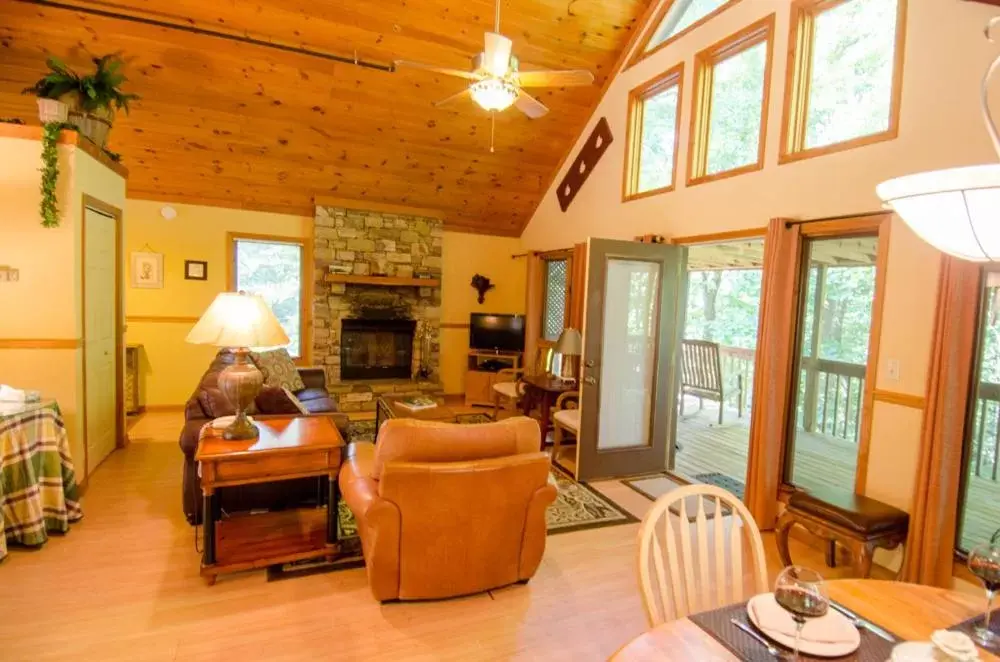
{"x":153,"y":409}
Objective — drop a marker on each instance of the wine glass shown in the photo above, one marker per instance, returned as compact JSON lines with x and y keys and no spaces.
{"x":984,"y":562}
{"x":802,"y":593}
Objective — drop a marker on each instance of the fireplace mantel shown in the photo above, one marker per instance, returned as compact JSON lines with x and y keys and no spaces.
{"x":384,"y":281}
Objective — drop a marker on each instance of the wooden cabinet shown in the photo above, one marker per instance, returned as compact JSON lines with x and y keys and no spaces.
{"x":482,"y":373}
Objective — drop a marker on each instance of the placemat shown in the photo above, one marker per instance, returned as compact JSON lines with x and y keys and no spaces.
{"x":717,"y":623}
{"x":968,"y":625}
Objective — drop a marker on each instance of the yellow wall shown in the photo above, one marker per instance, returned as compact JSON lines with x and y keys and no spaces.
{"x":464,"y":256}
{"x":48,"y":295}
{"x":940,"y":127}
{"x":171,"y":368}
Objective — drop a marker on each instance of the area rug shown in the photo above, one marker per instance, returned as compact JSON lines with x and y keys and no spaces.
{"x":655,"y":486}
{"x":577,"y":507}
{"x":725,"y":482}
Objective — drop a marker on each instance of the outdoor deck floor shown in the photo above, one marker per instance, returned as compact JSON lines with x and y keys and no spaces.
{"x":707,"y":447}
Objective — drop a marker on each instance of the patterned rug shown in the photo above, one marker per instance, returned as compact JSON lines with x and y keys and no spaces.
{"x":725,"y":482}
{"x":577,"y":507}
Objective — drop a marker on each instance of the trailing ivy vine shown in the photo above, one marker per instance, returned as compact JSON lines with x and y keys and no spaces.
{"x":50,"y":174}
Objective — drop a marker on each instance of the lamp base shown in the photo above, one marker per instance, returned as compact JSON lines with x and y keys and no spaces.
{"x":241,"y":383}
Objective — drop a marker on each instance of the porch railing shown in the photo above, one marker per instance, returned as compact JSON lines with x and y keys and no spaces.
{"x":739,"y":361}
{"x":831,"y":396}
{"x":985,"y":451}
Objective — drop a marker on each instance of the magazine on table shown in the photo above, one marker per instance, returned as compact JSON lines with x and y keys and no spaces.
{"x":417,"y":403}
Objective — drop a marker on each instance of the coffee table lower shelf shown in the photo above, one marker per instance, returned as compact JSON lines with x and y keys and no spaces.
{"x":251,"y":541}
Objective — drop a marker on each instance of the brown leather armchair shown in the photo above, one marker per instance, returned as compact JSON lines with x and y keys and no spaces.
{"x":446,"y":510}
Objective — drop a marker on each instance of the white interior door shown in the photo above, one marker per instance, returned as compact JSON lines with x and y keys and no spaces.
{"x":100,"y":327}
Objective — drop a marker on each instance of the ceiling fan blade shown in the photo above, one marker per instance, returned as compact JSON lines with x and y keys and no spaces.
{"x":529,"y":105}
{"x":453,"y":97}
{"x":496,"y":57}
{"x":555,"y":78}
{"x":468,"y":75}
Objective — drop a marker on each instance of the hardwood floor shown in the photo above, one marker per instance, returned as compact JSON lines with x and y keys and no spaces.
{"x":124,"y":585}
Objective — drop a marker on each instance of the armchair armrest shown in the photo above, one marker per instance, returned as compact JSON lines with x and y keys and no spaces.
{"x":515,"y":374}
{"x":563,"y":401}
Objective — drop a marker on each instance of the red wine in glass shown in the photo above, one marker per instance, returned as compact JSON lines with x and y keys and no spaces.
{"x":984,"y":562}
{"x":801,"y":603}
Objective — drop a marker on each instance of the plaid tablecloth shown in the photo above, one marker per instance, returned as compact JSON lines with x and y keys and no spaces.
{"x":38,"y":491}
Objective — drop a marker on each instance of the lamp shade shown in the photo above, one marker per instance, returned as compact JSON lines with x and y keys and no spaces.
{"x":570,"y":343}
{"x":238,"y":320}
{"x":955,"y":210}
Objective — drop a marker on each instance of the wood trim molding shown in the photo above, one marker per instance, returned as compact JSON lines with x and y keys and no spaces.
{"x":637,"y":98}
{"x":66,"y":137}
{"x":718,"y":237}
{"x":798,"y":74}
{"x":649,"y":29}
{"x":612,"y":73}
{"x":162,"y":319}
{"x":874,"y":344}
{"x":371,"y":205}
{"x":862,"y":224}
{"x":901,"y":399}
{"x":41,"y":343}
{"x":306,"y":275}
{"x":759,"y":32}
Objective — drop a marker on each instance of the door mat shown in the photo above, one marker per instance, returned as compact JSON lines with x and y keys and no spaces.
{"x":654,"y":487}
{"x":725,"y":482}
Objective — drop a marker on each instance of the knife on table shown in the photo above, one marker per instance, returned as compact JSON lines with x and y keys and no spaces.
{"x":863,"y":623}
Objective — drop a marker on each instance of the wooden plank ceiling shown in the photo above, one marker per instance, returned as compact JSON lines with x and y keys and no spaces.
{"x":241,"y":125}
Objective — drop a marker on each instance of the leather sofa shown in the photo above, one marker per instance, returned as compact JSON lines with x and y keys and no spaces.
{"x":207,"y":403}
{"x":446,"y":510}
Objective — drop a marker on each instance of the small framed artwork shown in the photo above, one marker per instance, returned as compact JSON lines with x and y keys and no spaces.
{"x":195,"y":270}
{"x":147,"y":270}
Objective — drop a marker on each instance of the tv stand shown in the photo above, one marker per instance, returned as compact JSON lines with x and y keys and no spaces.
{"x":481,"y":374}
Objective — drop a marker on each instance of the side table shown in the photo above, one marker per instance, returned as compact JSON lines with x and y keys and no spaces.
{"x":543,"y":391}
{"x":288,"y":447}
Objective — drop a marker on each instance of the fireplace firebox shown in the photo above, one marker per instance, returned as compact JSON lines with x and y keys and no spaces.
{"x":376,"y":349}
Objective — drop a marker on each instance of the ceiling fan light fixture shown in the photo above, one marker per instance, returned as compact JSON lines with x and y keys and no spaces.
{"x":494,"y":94}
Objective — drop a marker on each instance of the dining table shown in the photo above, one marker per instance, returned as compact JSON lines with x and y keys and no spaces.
{"x":910,"y":611}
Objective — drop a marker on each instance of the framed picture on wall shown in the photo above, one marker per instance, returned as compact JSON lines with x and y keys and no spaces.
{"x":147,"y":270}
{"x":195,"y":270}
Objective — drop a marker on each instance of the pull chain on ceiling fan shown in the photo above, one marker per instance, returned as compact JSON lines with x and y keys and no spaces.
{"x":497,"y":81}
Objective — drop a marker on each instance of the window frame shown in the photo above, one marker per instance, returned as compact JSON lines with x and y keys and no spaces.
{"x":305,"y":276}
{"x":705,"y":61}
{"x":876,"y":224}
{"x":798,"y":72}
{"x":641,"y":53}
{"x":637,"y":97}
{"x":555,"y":256}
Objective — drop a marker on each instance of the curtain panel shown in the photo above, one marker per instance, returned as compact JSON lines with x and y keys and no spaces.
{"x":934,"y":516}
{"x":773,"y":377}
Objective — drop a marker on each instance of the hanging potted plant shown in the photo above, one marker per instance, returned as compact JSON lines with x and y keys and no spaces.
{"x":100,"y":97}
{"x":58,"y":92}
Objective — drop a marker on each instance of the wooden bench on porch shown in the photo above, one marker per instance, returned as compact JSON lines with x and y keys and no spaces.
{"x":701,"y":376}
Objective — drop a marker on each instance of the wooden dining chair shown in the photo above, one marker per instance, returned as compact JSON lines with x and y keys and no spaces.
{"x":677,"y":574}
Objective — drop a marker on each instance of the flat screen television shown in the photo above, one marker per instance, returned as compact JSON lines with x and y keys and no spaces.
{"x":502,"y":333}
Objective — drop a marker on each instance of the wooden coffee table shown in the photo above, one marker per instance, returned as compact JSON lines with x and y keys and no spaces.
{"x":288,"y":447}
{"x":388,"y":407}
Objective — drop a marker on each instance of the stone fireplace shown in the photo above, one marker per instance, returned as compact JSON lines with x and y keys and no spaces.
{"x":374,"y":336}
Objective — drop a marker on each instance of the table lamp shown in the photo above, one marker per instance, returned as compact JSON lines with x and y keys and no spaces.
{"x":568,"y":347}
{"x":239,"y":321}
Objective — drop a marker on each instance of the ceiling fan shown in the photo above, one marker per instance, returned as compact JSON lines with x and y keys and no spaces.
{"x":497,"y":80}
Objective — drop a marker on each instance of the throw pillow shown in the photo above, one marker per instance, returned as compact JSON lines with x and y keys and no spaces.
{"x":278,"y":369}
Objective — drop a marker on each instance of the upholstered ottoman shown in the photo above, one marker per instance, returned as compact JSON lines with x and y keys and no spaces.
{"x":857,"y":522}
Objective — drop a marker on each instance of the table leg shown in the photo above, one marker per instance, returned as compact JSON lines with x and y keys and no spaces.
{"x":527,"y":400}
{"x":208,"y":517}
{"x":331,"y":511}
{"x":546,"y":423}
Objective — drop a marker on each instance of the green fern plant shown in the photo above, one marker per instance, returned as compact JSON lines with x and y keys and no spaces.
{"x":101,"y":90}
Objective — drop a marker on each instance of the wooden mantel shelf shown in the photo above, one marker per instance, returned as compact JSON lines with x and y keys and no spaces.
{"x":385,"y":281}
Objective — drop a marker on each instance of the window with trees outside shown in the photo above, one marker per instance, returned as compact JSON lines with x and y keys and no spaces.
{"x":730,"y":104}
{"x":979,"y":515}
{"x":678,"y":17}
{"x":844,"y":75}
{"x":555,"y":303}
{"x":653,"y":134}
{"x":274,"y":269}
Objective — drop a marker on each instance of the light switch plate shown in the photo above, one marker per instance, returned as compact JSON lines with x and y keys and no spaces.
{"x":892,"y":368}
{"x":9,"y":274}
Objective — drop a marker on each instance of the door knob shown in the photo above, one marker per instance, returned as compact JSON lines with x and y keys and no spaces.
{"x":589,"y":380}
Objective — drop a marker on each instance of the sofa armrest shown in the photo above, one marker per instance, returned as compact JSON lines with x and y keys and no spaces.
{"x":190,"y":434}
{"x":313,"y":377}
